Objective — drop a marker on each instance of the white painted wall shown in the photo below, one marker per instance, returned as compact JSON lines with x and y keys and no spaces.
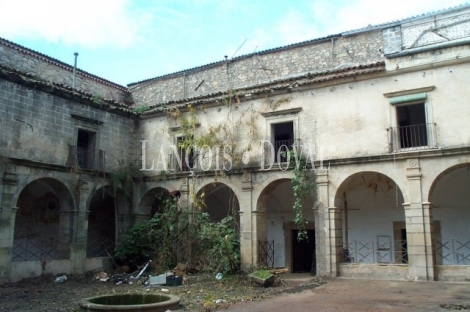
{"x":451,"y":202}
{"x":373,"y":204}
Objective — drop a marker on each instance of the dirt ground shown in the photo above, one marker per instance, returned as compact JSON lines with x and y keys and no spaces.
{"x":236,"y":293}
{"x":200,"y":292}
{"x":368,"y":295}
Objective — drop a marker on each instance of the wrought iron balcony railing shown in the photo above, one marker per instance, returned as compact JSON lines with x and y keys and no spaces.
{"x":412,"y":137}
{"x":85,"y":158}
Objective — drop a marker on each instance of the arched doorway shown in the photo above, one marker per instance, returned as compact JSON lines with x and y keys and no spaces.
{"x":219,"y":201}
{"x":278,"y":245}
{"x":43,"y":222}
{"x":450,"y":200}
{"x":153,"y":202}
{"x":102,"y":221}
{"x":373,"y":229}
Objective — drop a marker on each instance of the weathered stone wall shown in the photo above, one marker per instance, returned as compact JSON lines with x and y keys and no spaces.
{"x":39,"y":127}
{"x":48,"y":69}
{"x":315,"y":56}
{"x":436,"y":29}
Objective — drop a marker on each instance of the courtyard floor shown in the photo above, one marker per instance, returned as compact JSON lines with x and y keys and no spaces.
{"x":296,"y":292}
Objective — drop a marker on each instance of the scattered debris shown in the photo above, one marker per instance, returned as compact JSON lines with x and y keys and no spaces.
{"x":61,"y":278}
{"x":158,"y":280}
{"x":174,"y":280}
{"x":142,"y":271}
{"x":218,"y":301}
{"x":219,"y":276}
{"x":102,"y":276}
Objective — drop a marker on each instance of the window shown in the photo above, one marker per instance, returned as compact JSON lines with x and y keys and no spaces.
{"x":282,"y":130}
{"x":283,"y":136}
{"x":85,"y":148}
{"x":412,"y":127}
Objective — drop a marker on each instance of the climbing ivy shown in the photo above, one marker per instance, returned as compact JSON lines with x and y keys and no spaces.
{"x":303,"y":184}
{"x":123,"y":180}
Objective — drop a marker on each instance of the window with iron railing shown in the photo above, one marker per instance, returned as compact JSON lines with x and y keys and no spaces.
{"x":281,"y":147}
{"x":283,"y":135}
{"x":84,"y":158}
{"x":412,"y":137}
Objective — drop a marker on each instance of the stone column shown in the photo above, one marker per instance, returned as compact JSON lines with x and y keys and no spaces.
{"x":327,"y":229}
{"x":335,"y":240}
{"x":418,"y":227}
{"x":78,"y":246}
{"x":248,"y":241}
{"x":7,"y":222}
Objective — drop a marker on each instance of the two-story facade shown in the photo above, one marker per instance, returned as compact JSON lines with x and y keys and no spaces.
{"x":381,"y":114}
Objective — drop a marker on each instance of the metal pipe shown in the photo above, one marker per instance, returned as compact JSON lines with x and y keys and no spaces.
{"x":74,"y":70}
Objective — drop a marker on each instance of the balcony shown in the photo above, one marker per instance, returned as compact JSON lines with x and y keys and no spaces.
{"x":85,"y":158}
{"x":278,"y":155}
{"x":414,"y":137}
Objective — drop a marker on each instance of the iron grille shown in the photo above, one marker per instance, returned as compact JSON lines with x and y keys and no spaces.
{"x":266,"y":253}
{"x":36,"y":249}
{"x":452,"y":252}
{"x":376,"y":252}
{"x":101,"y":247}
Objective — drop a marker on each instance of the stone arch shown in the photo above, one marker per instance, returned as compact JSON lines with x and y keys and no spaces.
{"x":43,"y":224}
{"x":276,"y":231}
{"x":272,"y":178}
{"x":152,"y":202}
{"x":373,"y":218}
{"x":449,"y":196}
{"x":108,"y":217}
{"x":218,"y":200}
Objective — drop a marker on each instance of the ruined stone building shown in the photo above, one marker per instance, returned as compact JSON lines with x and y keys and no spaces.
{"x":381,"y":113}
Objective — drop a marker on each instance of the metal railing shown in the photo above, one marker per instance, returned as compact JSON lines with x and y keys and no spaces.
{"x":376,"y":252}
{"x":412,"y":137}
{"x":85,"y":158}
{"x":282,"y":146}
{"x":266,"y":253}
{"x":38,"y":249}
{"x":100,"y":247}
{"x":452,"y":252}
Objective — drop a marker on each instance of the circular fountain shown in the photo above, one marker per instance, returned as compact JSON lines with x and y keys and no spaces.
{"x":130,"y":302}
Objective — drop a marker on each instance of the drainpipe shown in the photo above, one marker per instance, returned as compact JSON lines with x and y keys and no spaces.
{"x":74,"y":70}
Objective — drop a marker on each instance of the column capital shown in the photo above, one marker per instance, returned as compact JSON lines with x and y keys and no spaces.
{"x":247,"y":182}
{"x":413,"y":170}
{"x":10,"y":178}
{"x":322,"y":177}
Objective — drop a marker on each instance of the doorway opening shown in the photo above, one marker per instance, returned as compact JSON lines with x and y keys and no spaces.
{"x":303,"y":253}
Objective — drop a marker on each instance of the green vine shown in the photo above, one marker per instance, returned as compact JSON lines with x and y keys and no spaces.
{"x":303,"y":182}
{"x":123,"y":180}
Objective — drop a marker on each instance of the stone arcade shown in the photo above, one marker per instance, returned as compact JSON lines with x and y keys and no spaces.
{"x":384,"y":111}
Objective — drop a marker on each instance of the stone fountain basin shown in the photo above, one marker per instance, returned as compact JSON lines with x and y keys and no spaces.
{"x":130,"y":302}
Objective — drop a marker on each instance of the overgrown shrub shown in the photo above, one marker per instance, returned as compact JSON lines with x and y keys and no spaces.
{"x":167,"y":236}
{"x":218,"y":244}
{"x":156,"y":239}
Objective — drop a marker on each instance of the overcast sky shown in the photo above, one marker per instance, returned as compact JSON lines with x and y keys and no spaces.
{"x":127,"y":41}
